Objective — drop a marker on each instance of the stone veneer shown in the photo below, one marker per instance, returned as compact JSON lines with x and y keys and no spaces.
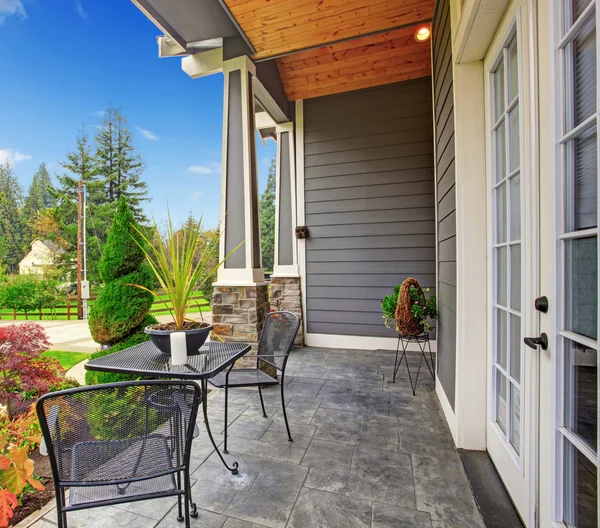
{"x":285,"y":294}
{"x":238,"y":313}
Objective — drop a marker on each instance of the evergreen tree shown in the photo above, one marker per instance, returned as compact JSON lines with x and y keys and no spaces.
{"x":81,"y":165}
{"x":119,"y":165}
{"x":120,"y":308}
{"x":39,"y":198}
{"x":267,"y":220}
{"x":11,"y":225}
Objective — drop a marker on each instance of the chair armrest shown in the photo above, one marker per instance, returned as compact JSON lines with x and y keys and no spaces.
{"x":186,"y":410}
{"x":52,"y":422}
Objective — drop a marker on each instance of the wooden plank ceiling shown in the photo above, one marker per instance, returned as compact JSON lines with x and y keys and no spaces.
{"x":306,"y":36}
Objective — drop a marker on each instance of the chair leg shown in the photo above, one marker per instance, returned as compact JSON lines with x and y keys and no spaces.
{"x":287,"y":426}
{"x":187,"y":507}
{"x":188,"y":487}
{"x":60,"y":503}
{"x":180,"y":517}
{"x":226,"y":418}
{"x":262,"y":403}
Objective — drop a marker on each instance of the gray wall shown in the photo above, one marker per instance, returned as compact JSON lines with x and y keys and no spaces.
{"x":444,"y":141}
{"x":370,"y":205}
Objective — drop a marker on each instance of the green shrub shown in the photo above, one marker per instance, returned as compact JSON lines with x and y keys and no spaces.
{"x":118,"y":412}
{"x":96,"y":378}
{"x":120,"y":308}
{"x":388,"y":307}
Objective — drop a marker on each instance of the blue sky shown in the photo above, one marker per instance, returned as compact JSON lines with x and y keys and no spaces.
{"x":62,"y":62}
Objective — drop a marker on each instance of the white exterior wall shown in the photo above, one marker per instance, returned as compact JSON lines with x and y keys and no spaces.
{"x":36,"y":260}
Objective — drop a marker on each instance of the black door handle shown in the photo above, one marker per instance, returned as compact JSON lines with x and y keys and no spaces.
{"x":534,"y":342}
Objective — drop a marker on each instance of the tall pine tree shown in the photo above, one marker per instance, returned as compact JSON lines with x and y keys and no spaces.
{"x":119,"y":165}
{"x":11,"y":225}
{"x":267,"y":220}
{"x":41,"y":196}
{"x":81,"y":165}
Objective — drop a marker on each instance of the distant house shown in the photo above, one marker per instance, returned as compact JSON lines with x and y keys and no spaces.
{"x":41,"y":255}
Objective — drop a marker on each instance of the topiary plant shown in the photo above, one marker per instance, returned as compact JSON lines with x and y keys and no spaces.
{"x":120,"y":309}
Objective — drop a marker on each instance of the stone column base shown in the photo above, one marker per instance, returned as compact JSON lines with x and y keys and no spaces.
{"x":238,"y":313}
{"x":285,"y":294}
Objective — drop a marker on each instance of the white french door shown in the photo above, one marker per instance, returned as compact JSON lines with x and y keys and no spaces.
{"x":569,"y":426}
{"x":512,"y":260}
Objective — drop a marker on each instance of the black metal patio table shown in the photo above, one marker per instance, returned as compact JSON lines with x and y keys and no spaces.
{"x":146,"y":360}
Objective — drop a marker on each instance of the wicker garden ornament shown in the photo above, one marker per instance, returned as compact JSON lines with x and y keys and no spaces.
{"x":406,"y":324}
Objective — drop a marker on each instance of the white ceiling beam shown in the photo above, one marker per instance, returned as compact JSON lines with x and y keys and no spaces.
{"x":203,"y":64}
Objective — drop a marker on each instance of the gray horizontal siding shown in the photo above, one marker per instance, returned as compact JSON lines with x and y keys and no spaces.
{"x":369,"y":203}
{"x":446,"y":198}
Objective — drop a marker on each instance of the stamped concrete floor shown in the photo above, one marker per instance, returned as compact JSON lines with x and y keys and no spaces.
{"x":366,"y":453}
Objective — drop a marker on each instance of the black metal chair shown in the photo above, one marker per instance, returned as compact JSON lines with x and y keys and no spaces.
{"x":274,"y":346}
{"x":119,"y":443}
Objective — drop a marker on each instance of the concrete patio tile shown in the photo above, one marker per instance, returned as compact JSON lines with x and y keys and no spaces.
{"x":386,"y":516}
{"x":280,"y":481}
{"x":202,"y":448}
{"x":395,"y":488}
{"x":238,"y":523}
{"x":155,"y":508}
{"x":419,"y":442}
{"x":331,"y":455}
{"x":377,"y":462}
{"x":277,"y":437}
{"x":247,"y":446}
{"x":249,"y":427}
{"x":205,"y":519}
{"x":237,"y":396}
{"x":103,"y":517}
{"x":291,"y":453}
{"x":257,"y":508}
{"x":213,"y":471}
{"x":319,"y":509}
{"x":211,"y":497}
{"x":337,"y":420}
{"x":442,"y":489}
{"x":297,"y":428}
{"x":310,"y":371}
{"x":331,"y":434}
{"x":305,"y":386}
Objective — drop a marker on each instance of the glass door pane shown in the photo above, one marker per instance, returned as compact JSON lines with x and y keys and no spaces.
{"x":506,"y":202}
{"x":578,"y":344}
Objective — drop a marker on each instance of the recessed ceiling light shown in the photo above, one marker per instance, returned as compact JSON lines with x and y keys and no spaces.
{"x":423,"y":34}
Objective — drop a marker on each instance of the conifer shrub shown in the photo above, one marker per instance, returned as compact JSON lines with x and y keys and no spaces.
{"x":122,"y":310}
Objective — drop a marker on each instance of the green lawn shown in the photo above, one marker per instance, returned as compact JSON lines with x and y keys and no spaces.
{"x":66,"y":359}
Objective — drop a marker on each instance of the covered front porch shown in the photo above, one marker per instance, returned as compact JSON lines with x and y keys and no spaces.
{"x":366,"y":453}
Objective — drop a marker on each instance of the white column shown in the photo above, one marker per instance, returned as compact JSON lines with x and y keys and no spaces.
{"x":286,"y":246}
{"x":239,"y":190}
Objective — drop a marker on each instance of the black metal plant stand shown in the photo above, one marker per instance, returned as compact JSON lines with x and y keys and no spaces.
{"x":424,"y":344}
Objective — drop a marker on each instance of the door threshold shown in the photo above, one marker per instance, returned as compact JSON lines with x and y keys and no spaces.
{"x":491,"y":496}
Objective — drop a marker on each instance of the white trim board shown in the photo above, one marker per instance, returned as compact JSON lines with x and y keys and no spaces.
{"x":447,"y":410}
{"x":354,"y":342}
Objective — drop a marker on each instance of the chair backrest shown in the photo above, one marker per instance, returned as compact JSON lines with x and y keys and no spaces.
{"x":146,"y":425}
{"x":277,"y":338}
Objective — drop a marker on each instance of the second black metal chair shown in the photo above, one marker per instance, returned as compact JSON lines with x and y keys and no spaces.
{"x":274,"y":346}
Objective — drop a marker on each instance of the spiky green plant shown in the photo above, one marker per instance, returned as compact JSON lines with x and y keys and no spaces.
{"x":178,"y":268}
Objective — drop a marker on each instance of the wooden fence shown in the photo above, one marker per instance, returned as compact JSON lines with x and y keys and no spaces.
{"x":69,"y":310}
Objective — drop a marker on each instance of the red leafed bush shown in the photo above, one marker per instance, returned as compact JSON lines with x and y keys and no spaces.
{"x":22,"y":370}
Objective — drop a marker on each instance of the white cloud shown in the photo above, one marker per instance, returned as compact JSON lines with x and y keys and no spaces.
{"x":147,"y":134}
{"x":10,"y":8}
{"x":9,"y":155}
{"x":80,"y":10}
{"x":97,"y":113}
{"x":196,"y":196}
{"x":200,"y":169}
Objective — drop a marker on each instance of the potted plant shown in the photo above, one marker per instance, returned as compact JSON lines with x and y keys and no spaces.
{"x":409,"y":308}
{"x":181,"y":267}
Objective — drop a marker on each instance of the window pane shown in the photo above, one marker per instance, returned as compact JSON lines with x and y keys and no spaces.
{"x":514,"y":140}
{"x":515,"y":347}
{"x":580,"y":489}
{"x":501,"y":333}
{"x":500,"y":152}
{"x":582,"y":181}
{"x":515,"y":418}
{"x":581,"y":396}
{"x":501,"y":400}
{"x":501,"y":280}
{"x":501,"y":214}
{"x":515,"y":277}
{"x":513,"y":69}
{"x":584,"y":73}
{"x":515,"y":208}
{"x":577,"y":7}
{"x":581,"y":266}
{"x":499,"y":90}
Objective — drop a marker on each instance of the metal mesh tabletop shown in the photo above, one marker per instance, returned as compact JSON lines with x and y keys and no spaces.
{"x":146,"y":360}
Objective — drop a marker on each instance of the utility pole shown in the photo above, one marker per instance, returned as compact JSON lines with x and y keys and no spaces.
{"x":79,"y":248}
